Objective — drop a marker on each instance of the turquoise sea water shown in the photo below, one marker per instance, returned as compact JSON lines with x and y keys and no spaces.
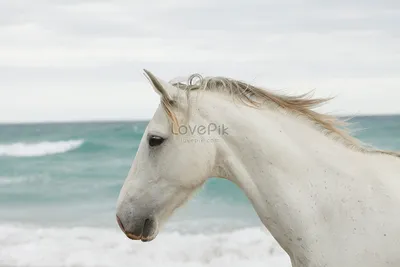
{"x":59,"y":185}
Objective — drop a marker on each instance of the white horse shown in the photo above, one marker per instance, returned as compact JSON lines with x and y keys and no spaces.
{"x":326,"y":198}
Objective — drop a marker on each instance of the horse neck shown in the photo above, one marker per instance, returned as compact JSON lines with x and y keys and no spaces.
{"x":283,"y":164}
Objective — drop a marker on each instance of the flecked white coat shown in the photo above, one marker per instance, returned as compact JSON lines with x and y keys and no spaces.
{"x":326,"y":204}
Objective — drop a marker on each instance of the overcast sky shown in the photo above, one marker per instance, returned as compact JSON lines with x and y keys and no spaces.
{"x":83,"y":59}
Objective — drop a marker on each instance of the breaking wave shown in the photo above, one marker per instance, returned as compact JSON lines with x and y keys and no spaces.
{"x":89,"y":246}
{"x":38,"y":149}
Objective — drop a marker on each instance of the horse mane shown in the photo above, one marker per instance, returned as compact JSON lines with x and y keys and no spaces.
{"x":301,"y":105}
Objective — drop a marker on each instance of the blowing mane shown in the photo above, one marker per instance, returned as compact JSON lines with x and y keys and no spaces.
{"x":301,"y":105}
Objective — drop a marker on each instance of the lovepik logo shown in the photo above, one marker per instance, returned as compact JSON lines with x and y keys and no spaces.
{"x":201,"y":129}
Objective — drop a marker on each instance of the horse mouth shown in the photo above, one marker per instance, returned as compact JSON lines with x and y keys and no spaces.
{"x":141,"y":238}
{"x":146,"y":234}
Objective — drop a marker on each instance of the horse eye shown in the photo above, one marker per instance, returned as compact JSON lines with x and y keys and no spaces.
{"x":155,"y":140}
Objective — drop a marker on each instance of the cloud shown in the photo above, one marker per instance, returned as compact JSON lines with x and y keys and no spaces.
{"x":55,"y":47}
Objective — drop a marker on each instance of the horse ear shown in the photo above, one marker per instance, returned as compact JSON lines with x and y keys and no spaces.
{"x":165,"y":89}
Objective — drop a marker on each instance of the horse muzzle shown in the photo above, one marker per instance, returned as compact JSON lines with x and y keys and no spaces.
{"x":144,"y":229}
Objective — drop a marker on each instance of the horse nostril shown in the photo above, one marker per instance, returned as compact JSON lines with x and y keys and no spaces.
{"x":120,"y":224}
{"x":147,"y":227}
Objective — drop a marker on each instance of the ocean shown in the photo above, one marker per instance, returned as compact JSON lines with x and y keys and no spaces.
{"x":59,"y":185}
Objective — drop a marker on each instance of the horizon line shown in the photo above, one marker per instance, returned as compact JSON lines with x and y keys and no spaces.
{"x":147,"y":120}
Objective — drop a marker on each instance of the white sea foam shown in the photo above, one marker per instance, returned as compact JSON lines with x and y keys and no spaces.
{"x":38,"y":149}
{"x":89,"y":247}
{"x":8,"y":180}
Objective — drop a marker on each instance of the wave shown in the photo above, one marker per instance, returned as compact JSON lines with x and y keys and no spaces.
{"x":13,"y":180}
{"x":90,"y":246}
{"x":38,"y":149}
